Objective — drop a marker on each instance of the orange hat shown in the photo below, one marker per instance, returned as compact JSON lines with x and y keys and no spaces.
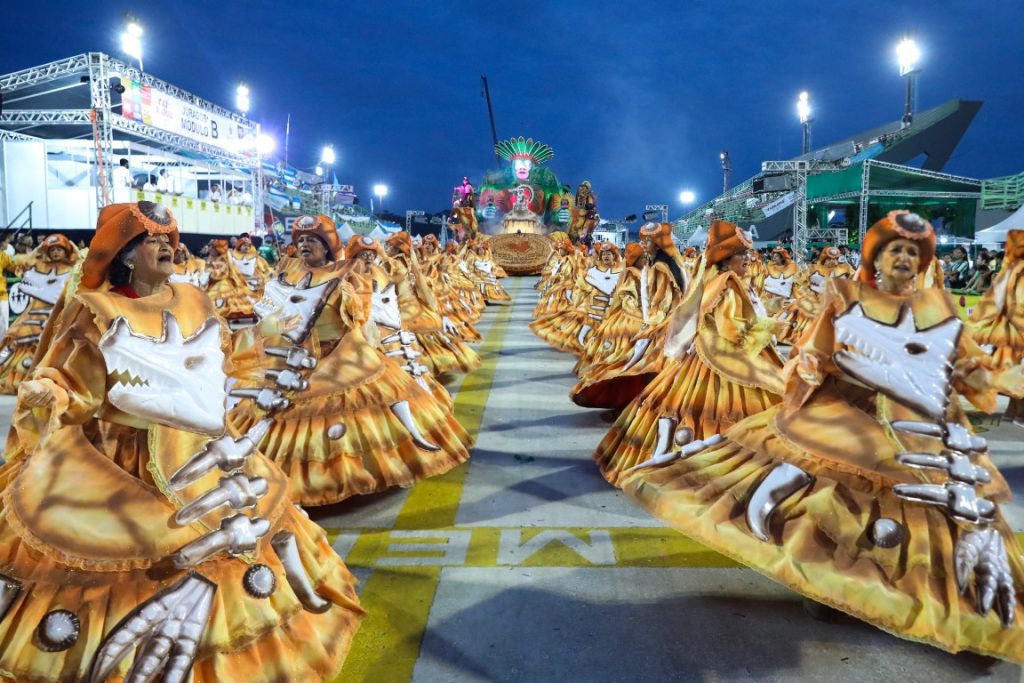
{"x":660,"y":234}
{"x":220,"y":247}
{"x":828,"y":253}
{"x":566,"y":244}
{"x":116,"y":226}
{"x":400,"y":241}
{"x":896,"y":225}
{"x":725,"y":240}
{"x":690,"y":252}
{"x":358,"y":244}
{"x":240,"y":240}
{"x":783,"y":252}
{"x":1014,"y":247}
{"x":59,"y":240}
{"x":634,"y":250}
{"x":754,"y":256}
{"x":430,"y":238}
{"x":324,"y":228}
{"x":452,"y":247}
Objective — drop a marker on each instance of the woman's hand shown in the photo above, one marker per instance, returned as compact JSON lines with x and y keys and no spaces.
{"x":42,"y":393}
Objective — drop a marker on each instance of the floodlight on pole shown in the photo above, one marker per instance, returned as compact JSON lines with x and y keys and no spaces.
{"x":327,"y":155}
{"x":319,"y":170}
{"x":687,"y":197}
{"x":242,"y":98}
{"x":131,"y":41}
{"x":908,"y":55}
{"x":265,"y":144}
{"x":726,"y":168}
{"x":381,"y":191}
{"x":803,"y":110}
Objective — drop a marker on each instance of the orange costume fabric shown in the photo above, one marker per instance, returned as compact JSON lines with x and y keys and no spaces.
{"x":342,"y":437}
{"x":100,"y":551}
{"x":817,"y":492}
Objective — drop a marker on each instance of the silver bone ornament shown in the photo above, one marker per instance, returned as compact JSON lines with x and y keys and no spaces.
{"x":226,"y":454}
{"x":45,"y":287}
{"x":267,"y":399}
{"x":300,"y":300}
{"x":384,"y":307}
{"x":287,"y":551}
{"x":237,"y":491}
{"x":237,"y":535}
{"x":169,"y":380}
{"x":781,"y":483}
{"x":402,"y":411}
{"x":983,"y":554}
{"x":164,"y":631}
{"x":295,"y":357}
{"x":913,"y":367}
{"x":960,"y":500}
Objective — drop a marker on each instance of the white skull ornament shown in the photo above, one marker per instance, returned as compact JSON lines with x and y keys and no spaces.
{"x":169,"y":380}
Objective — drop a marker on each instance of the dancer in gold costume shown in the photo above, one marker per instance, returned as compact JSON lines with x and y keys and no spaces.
{"x":362,"y":425}
{"x":661,"y":286}
{"x":140,"y":536}
{"x":722,"y":365}
{"x":866,"y":489}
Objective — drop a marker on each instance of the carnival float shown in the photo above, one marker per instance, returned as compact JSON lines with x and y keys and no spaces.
{"x":520,"y":204}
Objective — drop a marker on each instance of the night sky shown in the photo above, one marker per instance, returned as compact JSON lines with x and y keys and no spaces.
{"x":639,"y":98}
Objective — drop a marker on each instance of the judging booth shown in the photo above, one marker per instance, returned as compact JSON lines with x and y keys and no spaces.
{"x":82,"y":132}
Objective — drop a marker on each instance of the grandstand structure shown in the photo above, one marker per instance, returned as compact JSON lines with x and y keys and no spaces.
{"x":830,"y":195}
{"x":65,"y":125}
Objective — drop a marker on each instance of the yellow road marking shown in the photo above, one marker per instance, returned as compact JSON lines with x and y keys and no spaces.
{"x":398,"y":599}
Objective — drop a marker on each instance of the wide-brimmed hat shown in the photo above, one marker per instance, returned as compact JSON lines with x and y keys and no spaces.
{"x":323,"y":227}
{"x":116,"y":226}
{"x":725,"y":240}
{"x":899,"y":224}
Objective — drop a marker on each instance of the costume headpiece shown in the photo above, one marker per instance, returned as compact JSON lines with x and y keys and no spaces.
{"x":783,"y":252}
{"x":660,"y":234}
{"x":1014,"y":247}
{"x":357,"y":244}
{"x":220,"y":247}
{"x":603,"y":247}
{"x":401,"y":241}
{"x":897,"y":225}
{"x":323,"y":227}
{"x":828,"y":253}
{"x":725,"y":240}
{"x":116,"y":226}
{"x":634,"y":250}
{"x":59,"y":240}
{"x":522,"y":148}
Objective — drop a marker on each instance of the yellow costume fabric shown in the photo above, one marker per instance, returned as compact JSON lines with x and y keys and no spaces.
{"x":101,"y":549}
{"x":841,"y":435}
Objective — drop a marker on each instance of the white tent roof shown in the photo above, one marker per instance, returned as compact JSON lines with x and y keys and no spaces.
{"x":345,"y":232}
{"x":997,"y":233}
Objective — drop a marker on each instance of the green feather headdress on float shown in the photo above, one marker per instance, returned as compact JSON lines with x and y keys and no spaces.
{"x":524,"y":148}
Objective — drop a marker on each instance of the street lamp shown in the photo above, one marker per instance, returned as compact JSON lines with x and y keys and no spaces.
{"x":724,"y":157}
{"x":687,"y":197}
{"x":242,"y":98}
{"x":803,"y":110}
{"x":131,"y":41}
{"x":908,"y":54}
{"x":380,"y":191}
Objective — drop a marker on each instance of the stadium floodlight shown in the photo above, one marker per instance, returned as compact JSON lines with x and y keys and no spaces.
{"x":726,"y":168}
{"x":908,"y":54}
{"x":327,"y":156}
{"x":319,"y":170}
{"x":803,"y":107}
{"x":687,"y":197}
{"x":131,"y":41}
{"x":242,"y":98}
{"x":381,"y":191}
{"x":265,"y":144}
{"x":803,"y":110}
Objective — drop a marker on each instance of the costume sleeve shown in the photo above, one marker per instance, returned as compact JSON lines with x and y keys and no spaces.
{"x":74,"y":363}
{"x":664,"y":297}
{"x":751,"y":334}
{"x":810,"y":361}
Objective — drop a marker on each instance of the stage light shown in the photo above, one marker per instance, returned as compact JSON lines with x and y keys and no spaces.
{"x":319,"y":170}
{"x":908,"y":54}
{"x":242,"y":98}
{"x":687,"y":197}
{"x":381,"y":191}
{"x":327,"y":156}
{"x":265,"y":144}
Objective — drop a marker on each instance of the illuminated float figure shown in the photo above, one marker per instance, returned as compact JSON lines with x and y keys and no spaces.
{"x":866,"y":489}
{"x":141,"y":537}
{"x":612,"y":339}
{"x":721,"y":365}
{"x":45,"y":273}
{"x":361,"y":425}
{"x":584,"y":214}
{"x":806,"y":303}
{"x":780,"y":277}
{"x":570,"y":329}
{"x":661,"y":286}
{"x":463,"y":220}
{"x":997,"y":321}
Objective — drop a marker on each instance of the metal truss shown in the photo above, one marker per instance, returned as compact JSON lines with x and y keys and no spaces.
{"x":935,"y":175}
{"x":803,"y":166}
{"x":862,"y":204}
{"x":42,"y":117}
{"x":45,"y":73}
{"x":161,"y":136}
{"x":14,"y":136}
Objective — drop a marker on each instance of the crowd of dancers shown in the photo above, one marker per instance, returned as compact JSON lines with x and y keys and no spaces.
{"x":150,"y":519}
{"x":847,"y":468}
